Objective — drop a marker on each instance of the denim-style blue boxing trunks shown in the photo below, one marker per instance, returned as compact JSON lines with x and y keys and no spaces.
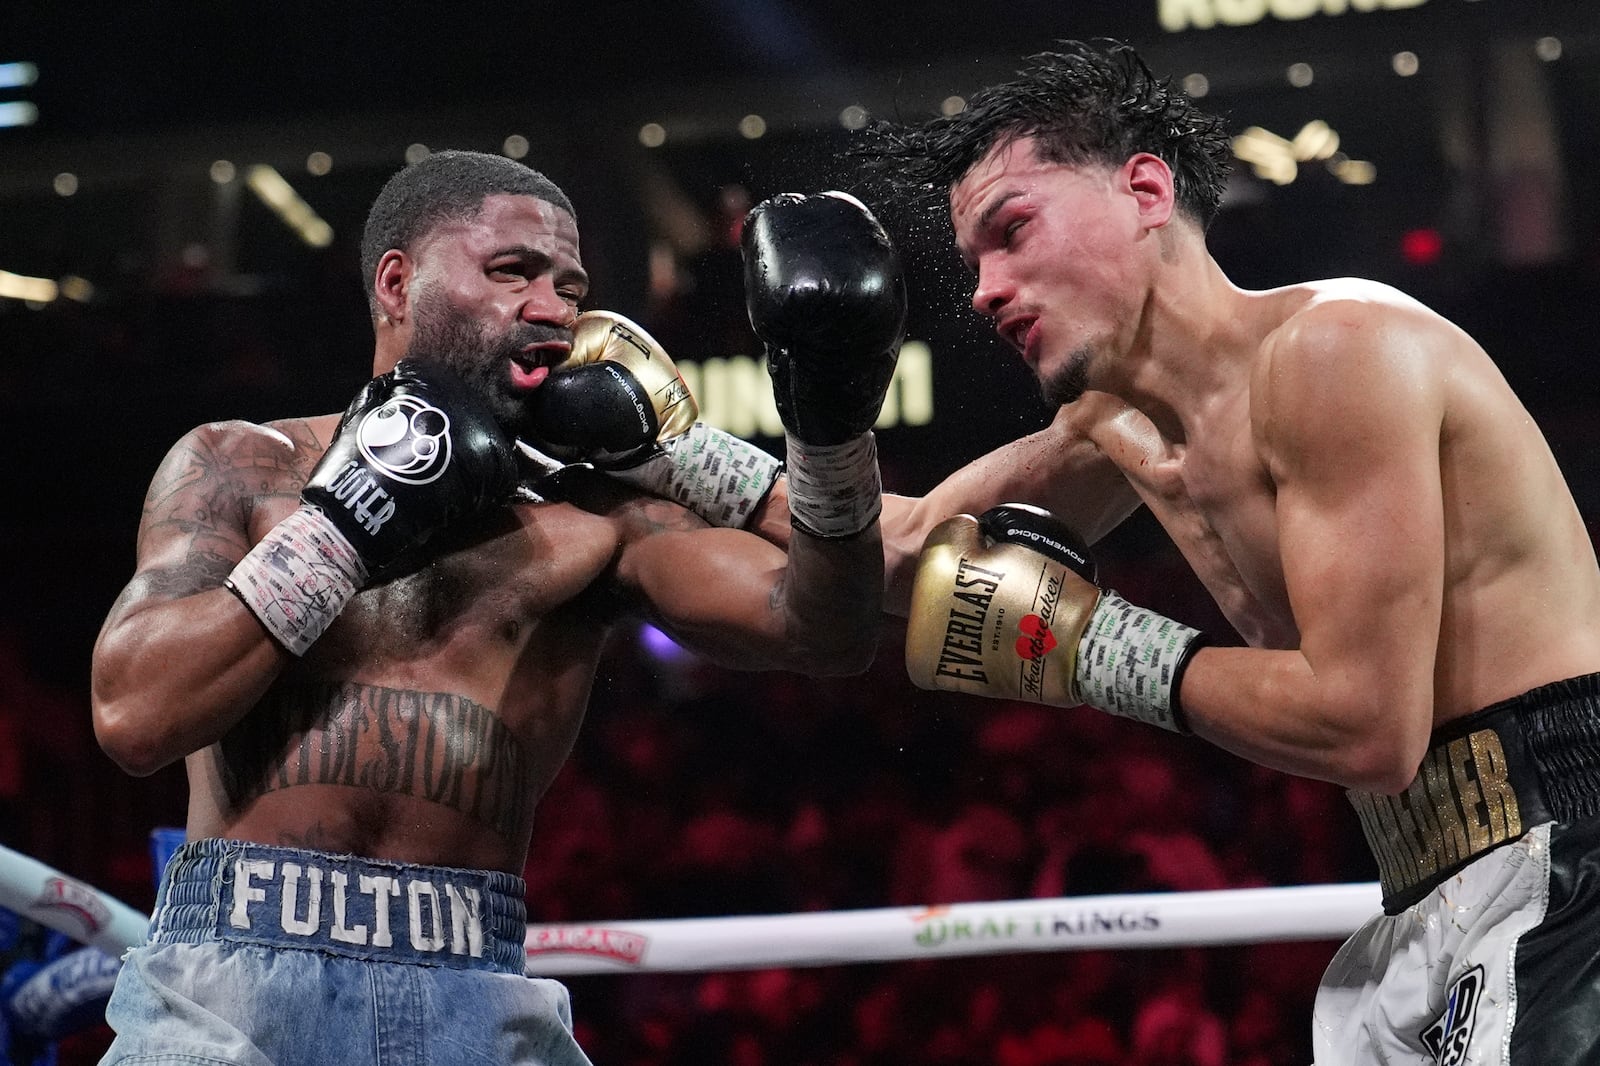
{"x":263,"y":955}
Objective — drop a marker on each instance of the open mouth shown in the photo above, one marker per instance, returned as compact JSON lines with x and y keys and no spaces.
{"x":1019,"y":332}
{"x":532,"y":364}
{"x":527,"y":373}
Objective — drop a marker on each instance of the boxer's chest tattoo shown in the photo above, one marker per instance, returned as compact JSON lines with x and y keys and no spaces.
{"x":434,"y":746}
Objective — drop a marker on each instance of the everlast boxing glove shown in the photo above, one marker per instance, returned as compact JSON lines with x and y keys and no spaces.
{"x":1006,"y":605}
{"x":415,"y":451}
{"x":612,"y":399}
{"x":826,"y":295}
{"x":618,"y":403}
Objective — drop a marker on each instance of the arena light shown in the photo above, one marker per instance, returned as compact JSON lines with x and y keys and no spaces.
{"x":1421,"y":247}
{"x":18,"y":75}
{"x":295,"y":213}
{"x":18,"y":113}
{"x":1354,"y":171}
{"x":24,"y":287}
{"x":73,"y":287}
{"x":1270,"y":156}
{"x":1277,"y":159}
{"x":1316,"y":140}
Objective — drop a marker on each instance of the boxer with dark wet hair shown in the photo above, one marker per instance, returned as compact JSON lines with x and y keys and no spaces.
{"x":1372,"y":508}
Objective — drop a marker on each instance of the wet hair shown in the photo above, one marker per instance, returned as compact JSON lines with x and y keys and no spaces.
{"x":446,"y":186}
{"x":1084,"y":103}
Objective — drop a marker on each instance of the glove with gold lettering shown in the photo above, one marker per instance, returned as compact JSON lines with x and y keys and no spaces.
{"x":416,"y":451}
{"x":619,"y":404}
{"x":1007,"y":605}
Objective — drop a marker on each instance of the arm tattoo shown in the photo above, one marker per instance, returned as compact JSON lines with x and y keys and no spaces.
{"x":205,"y":490}
{"x":652,"y":516}
{"x":200,"y":572}
{"x":435,"y":746}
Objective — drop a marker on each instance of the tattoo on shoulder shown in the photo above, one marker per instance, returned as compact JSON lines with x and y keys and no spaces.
{"x":208,"y":484}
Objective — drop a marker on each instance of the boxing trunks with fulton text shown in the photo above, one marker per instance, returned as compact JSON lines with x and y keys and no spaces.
{"x":341,"y":905}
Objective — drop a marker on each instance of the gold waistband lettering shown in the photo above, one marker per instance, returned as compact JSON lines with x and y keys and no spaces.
{"x":1460,"y":804}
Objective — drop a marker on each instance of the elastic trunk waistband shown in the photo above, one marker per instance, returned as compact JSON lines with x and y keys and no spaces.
{"x":1487,"y":779}
{"x":342,"y":905}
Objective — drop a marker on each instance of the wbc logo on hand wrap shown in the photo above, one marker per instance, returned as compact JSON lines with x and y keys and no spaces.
{"x":407,"y":438}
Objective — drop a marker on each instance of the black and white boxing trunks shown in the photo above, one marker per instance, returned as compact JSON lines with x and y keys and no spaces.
{"x":1488,"y":950}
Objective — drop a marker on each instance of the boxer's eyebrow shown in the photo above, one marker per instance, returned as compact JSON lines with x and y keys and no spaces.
{"x":542,"y":260}
{"x":994,"y":208}
{"x":985,"y":219}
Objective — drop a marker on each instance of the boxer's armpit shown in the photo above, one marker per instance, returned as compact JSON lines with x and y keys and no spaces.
{"x":432,"y":746}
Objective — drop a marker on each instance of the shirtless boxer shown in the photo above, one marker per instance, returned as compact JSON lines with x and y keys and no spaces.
{"x":373,"y":657}
{"x":1370,"y":505}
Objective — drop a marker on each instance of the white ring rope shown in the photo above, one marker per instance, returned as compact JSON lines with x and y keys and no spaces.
{"x":67,"y":905}
{"x":1147,"y":920}
{"x":1151,"y":920}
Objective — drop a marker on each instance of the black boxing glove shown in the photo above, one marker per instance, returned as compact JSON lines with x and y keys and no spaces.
{"x":826,"y":295}
{"x":415,"y":452}
{"x":613,"y":399}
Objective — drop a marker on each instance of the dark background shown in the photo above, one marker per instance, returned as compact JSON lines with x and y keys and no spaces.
{"x":205,"y":306}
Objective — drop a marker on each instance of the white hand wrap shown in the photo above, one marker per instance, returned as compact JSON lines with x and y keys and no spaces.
{"x":1129,"y":661}
{"x":835,"y":490}
{"x":298,"y":578}
{"x":715,"y":474}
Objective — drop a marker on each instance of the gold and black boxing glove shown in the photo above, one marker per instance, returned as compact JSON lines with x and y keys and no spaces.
{"x":613,"y":399}
{"x":1006,"y":605}
{"x":619,"y":404}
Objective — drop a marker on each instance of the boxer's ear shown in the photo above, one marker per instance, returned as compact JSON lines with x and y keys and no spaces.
{"x":391,"y":284}
{"x":1148,"y":179}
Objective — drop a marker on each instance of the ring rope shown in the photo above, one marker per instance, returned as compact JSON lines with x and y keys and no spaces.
{"x":51,"y":898}
{"x":1078,"y":923}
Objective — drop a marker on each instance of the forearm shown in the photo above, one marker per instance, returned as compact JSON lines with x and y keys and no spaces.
{"x":831,"y":589}
{"x":170,"y":678}
{"x":903,"y":525}
{"x":1273,"y":708}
